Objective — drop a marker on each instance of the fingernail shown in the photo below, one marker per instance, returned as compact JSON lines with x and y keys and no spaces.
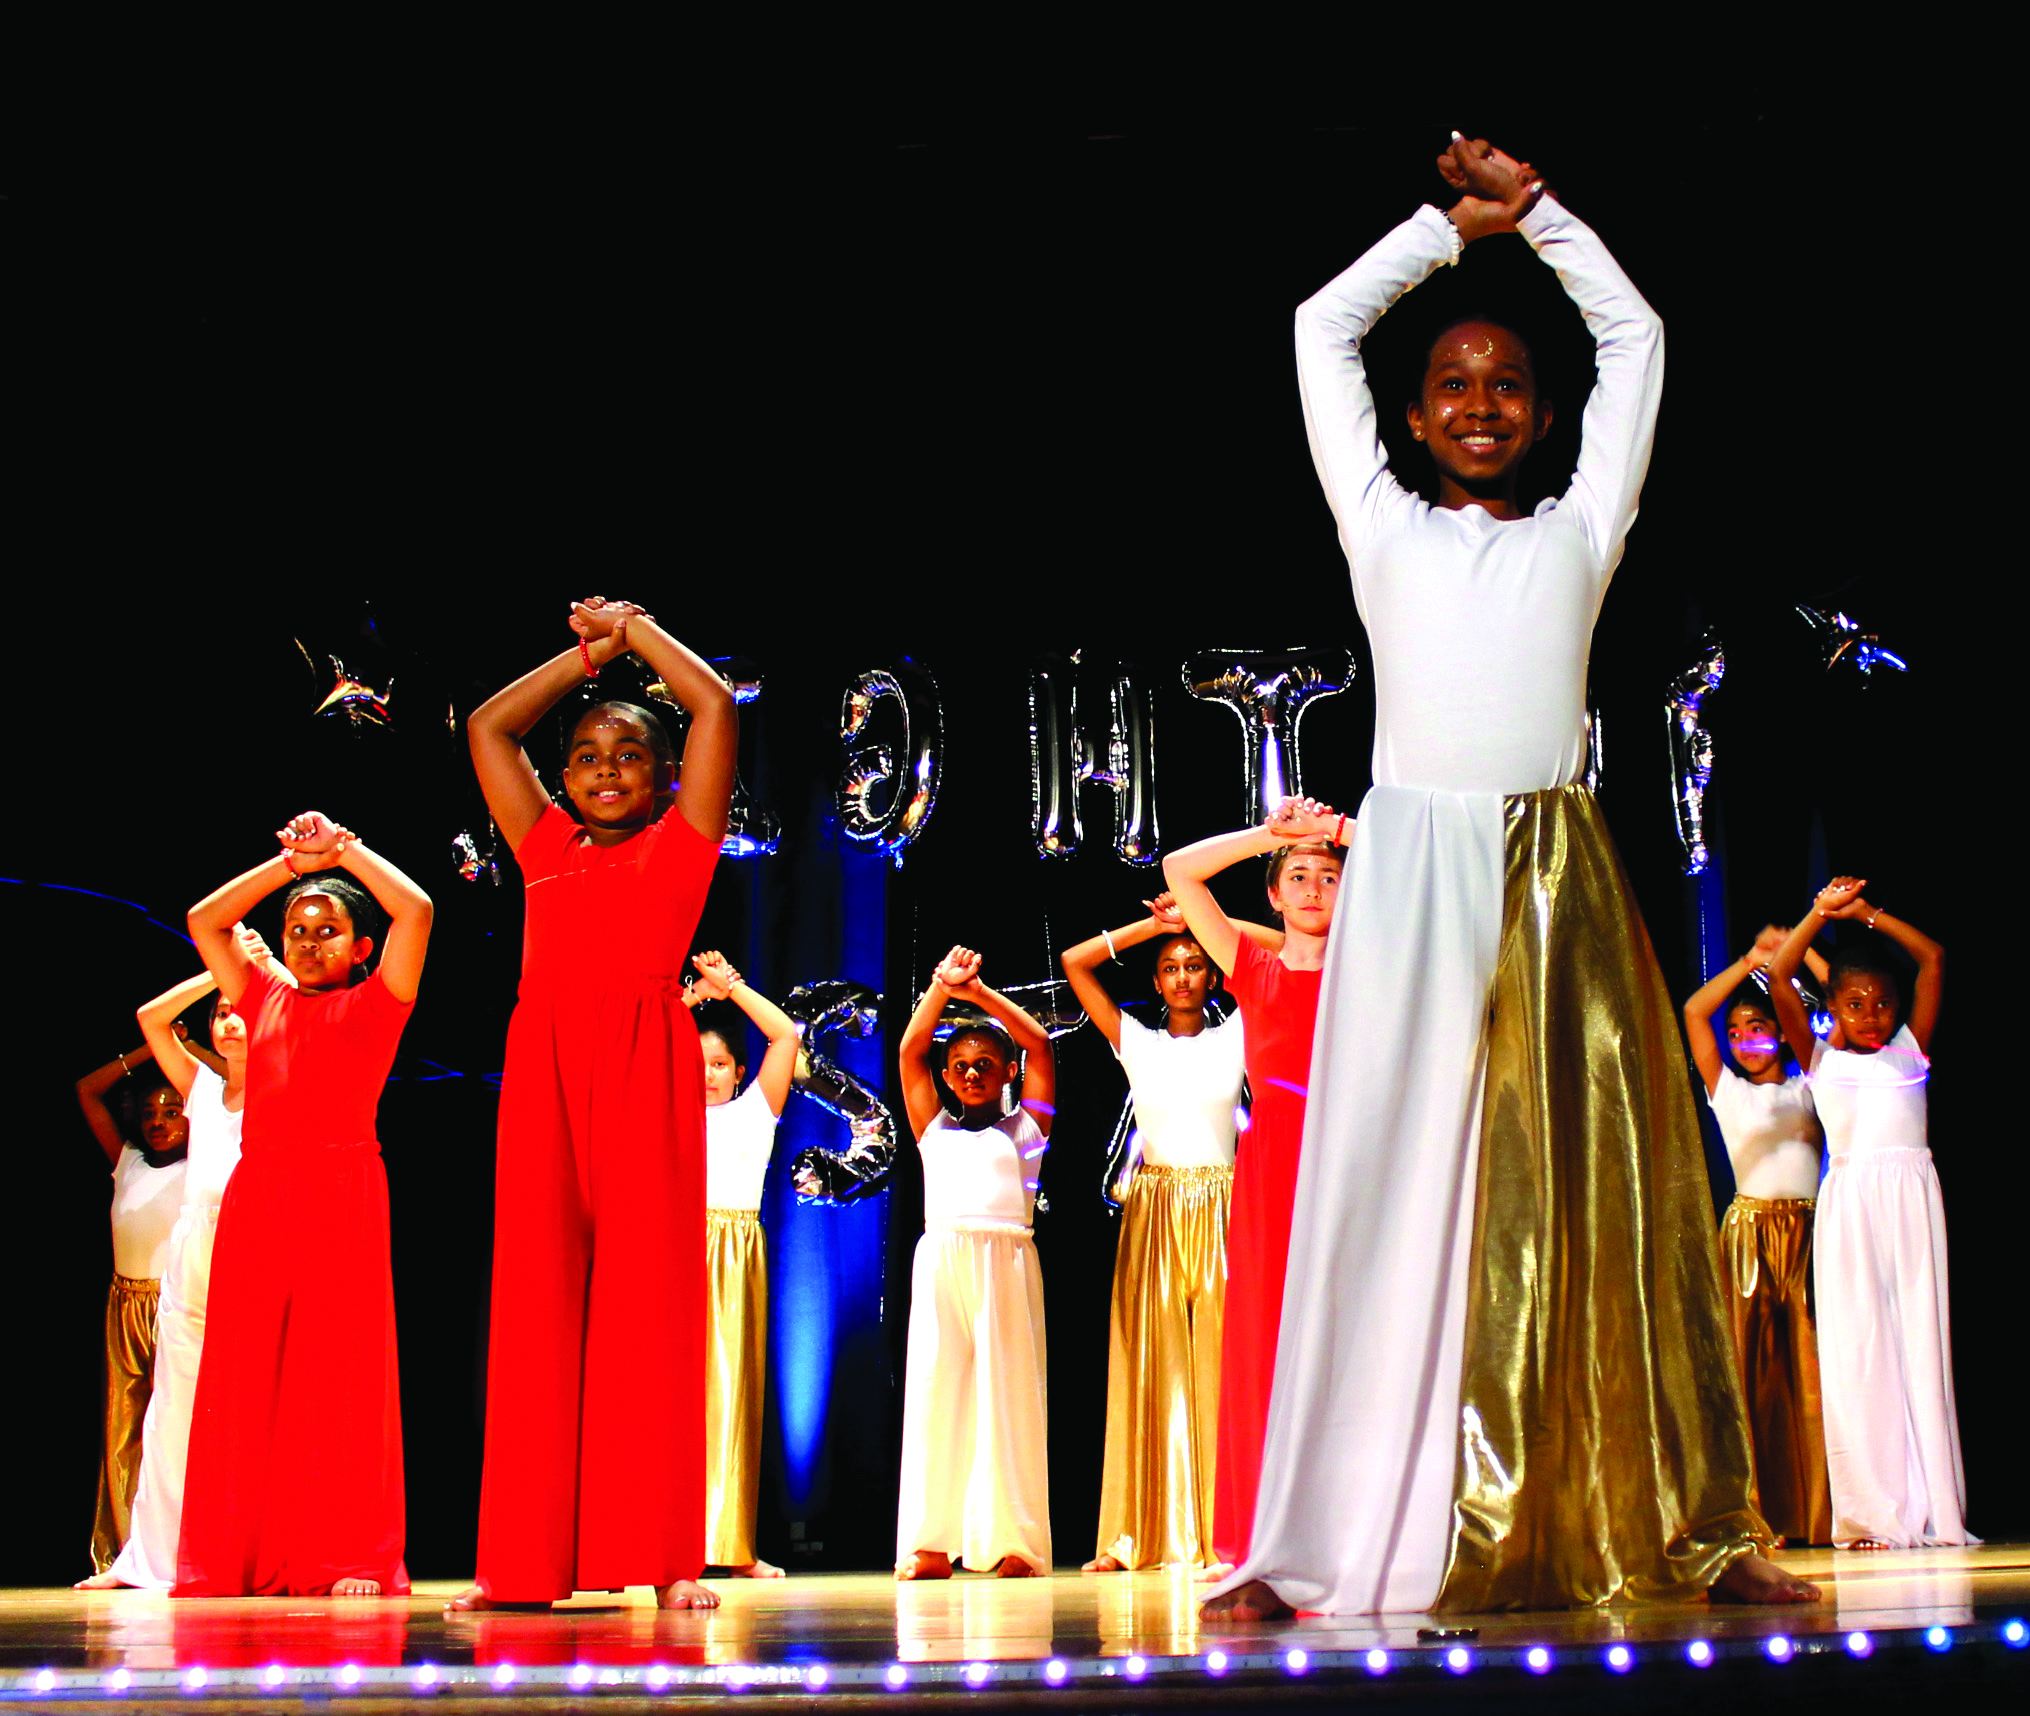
{"x":1457,"y":138}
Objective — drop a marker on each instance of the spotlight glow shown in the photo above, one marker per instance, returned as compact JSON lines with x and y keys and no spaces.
{"x":2015,"y":1634}
{"x":1137,"y":1667}
{"x":1377,"y":1661}
{"x":46,"y":1681}
{"x":119,"y":1680}
{"x":1860,"y":1644}
{"x":817,"y":1676}
{"x":194,"y":1681}
{"x":426,"y":1675}
{"x":273,"y":1674}
{"x":347,"y":1676}
{"x":1054,"y":1671}
{"x":977,"y":1673}
{"x":581,"y":1674}
{"x":1699,"y":1654}
{"x":1459,"y":1659}
{"x":1778,"y":1648}
{"x":504,"y":1675}
{"x":1296,"y":1661}
{"x":1938,"y":1639}
{"x":1620,"y":1658}
{"x":897,"y":1675}
{"x":1537,"y":1660}
{"x":658,"y":1677}
{"x":1215,"y":1662}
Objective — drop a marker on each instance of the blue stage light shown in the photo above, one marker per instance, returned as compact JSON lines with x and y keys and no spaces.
{"x":581,"y":1674}
{"x":817,"y":1676}
{"x":1296,"y":1661}
{"x":347,"y":1676}
{"x":2015,"y":1634}
{"x":1459,"y":1659}
{"x":504,"y":1675}
{"x":46,"y":1680}
{"x":1778,"y":1648}
{"x":1054,"y":1671}
{"x":426,"y":1675}
{"x":1620,"y":1658}
{"x":194,"y":1681}
{"x":1699,"y":1654}
{"x":119,"y":1680}
{"x":657,"y":1677}
{"x":273,"y":1675}
{"x":1537,"y":1660}
{"x":897,"y":1675}
{"x":1215,"y":1662}
{"x":977,"y":1673}
{"x":1137,"y":1667}
{"x":1377,"y":1661}
{"x":1938,"y":1639}
{"x":1860,"y":1644}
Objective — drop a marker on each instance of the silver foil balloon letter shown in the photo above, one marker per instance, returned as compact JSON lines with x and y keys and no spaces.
{"x":1063,"y":758}
{"x":888,"y":787}
{"x":751,"y":830}
{"x":1269,"y":690}
{"x":1842,"y":642}
{"x":862,"y":1168}
{"x":1692,"y":749}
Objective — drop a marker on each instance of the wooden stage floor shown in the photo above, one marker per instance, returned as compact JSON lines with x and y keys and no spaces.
{"x":1126,"y":1640}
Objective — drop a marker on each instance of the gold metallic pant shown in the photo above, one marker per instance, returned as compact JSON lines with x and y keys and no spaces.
{"x":1765,"y":1251}
{"x":1163,"y":1368}
{"x":130,"y":1368}
{"x":736,"y":1368}
{"x":1604,"y":1444}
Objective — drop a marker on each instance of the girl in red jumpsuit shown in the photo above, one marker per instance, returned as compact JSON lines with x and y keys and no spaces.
{"x":294,"y":1476}
{"x":595,"y":1410}
{"x":1278,"y":998}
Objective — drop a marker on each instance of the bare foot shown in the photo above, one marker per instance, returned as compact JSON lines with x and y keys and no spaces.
{"x":756,"y":1569}
{"x":356,"y":1588}
{"x":469,"y":1600}
{"x":1212,"y":1575}
{"x":685,"y":1594}
{"x":1253,"y":1601}
{"x":101,"y":1582}
{"x":1103,"y":1564}
{"x":926,"y":1564}
{"x":1754,"y":1579}
{"x":1858,"y":1543}
{"x":1014,"y":1567}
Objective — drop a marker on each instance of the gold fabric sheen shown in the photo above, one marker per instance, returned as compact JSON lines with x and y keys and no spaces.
{"x":1163,"y":1368}
{"x":736,"y":1359}
{"x":1603,"y":1444}
{"x":130,"y":1372}
{"x":1765,"y":1255}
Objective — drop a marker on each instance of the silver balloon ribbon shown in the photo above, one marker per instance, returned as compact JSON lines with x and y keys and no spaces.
{"x":1842,"y":644}
{"x":888,"y":787}
{"x":1269,"y":690}
{"x":838,"y":1006}
{"x":1692,"y":749}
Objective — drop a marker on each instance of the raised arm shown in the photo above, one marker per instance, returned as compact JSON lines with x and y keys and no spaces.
{"x":1081,"y":963}
{"x":1700,"y":1029}
{"x":778,"y":1064}
{"x":1039,"y":1074}
{"x":91,"y":1090}
{"x":712,"y":745}
{"x":1783,"y":964}
{"x":215,"y":921}
{"x":495,"y":731}
{"x":919,"y":1087}
{"x":316,"y":843}
{"x":1190,"y":868}
{"x":158,"y":1030}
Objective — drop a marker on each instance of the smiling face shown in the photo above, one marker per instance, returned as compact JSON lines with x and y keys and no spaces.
{"x":318,"y":943}
{"x":722,"y":1072}
{"x":977,"y":1070}
{"x":1752,"y":1037}
{"x":1184,"y":978}
{"x":1479,"y":412}
{"x":1865,"y":1005}
{"x":163,"y":1127}
{"x":228,"y":1031}
{"x":612,"y":774}
{"x":1306,"y":889}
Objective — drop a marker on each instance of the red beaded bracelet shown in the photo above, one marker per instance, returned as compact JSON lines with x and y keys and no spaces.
{"x":1338,"y":830}
{"x":289,"y":863}
{"x":585,"y":655}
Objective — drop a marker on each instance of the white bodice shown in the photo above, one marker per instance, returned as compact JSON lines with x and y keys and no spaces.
{"x":1186,"y":1090}
{"x":988,"y":1176}
{"x":145,"y":1203}
{"x":1772,"y":1135}
{"x":1871,"y":1103}
{"x":214,"y":1140}
{"x":739,"y":1139}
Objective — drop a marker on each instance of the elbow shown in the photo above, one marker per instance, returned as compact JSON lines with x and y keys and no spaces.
{"x":1173,"y":872}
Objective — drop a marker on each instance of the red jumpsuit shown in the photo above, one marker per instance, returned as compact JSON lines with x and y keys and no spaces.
{"x":295,"y":1467}
{"x":595,"y":1400}
{"x":1278,"y":1009}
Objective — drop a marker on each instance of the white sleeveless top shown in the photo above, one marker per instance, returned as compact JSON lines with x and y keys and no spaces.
{"x":1186,"y":1089}
{"x":145,"y":1204}
{"x":986,"y":1177}
{"x":1872,"y":1102}
{"x":1772,"y":1135}
{"x":214,"y":1141}
{"x":739,"y":1139}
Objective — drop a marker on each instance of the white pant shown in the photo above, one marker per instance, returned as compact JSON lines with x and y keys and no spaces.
{"x":149,"y":1558}
{"x":975,"y":1451}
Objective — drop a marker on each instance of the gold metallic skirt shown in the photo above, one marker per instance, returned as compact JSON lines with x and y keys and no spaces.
{"x":1163,"y":1368}
{"x":130,"y":1372}
{"x":1765,"y":1250}
{"x":1604,"y":1448}
{"x":736,"y":1359}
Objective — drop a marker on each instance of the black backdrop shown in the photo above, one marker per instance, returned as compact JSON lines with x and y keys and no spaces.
{"x":971,"y":385}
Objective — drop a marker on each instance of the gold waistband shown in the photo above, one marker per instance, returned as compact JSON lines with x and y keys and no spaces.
{"x":733,"y":1218}
{"x":1771,"y":1206}
{"x":1210,"y":1174}
{"x":136,"y":1284}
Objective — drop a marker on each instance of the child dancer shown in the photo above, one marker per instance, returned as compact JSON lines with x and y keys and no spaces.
{"x":1501,"y":1381}
{"x":148,"y":1180}
{"x":975,"y":1459}
{"x":595,"y":1408}
{"x":1163,"y":1336}
{"x":294,"y":1478}
{"x":739,"y":1139}
{"x":1772,"y":1136}
{"x":1885,"y":1328}
{"x":1278,"y":999}
{"x":212,"y":1106}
